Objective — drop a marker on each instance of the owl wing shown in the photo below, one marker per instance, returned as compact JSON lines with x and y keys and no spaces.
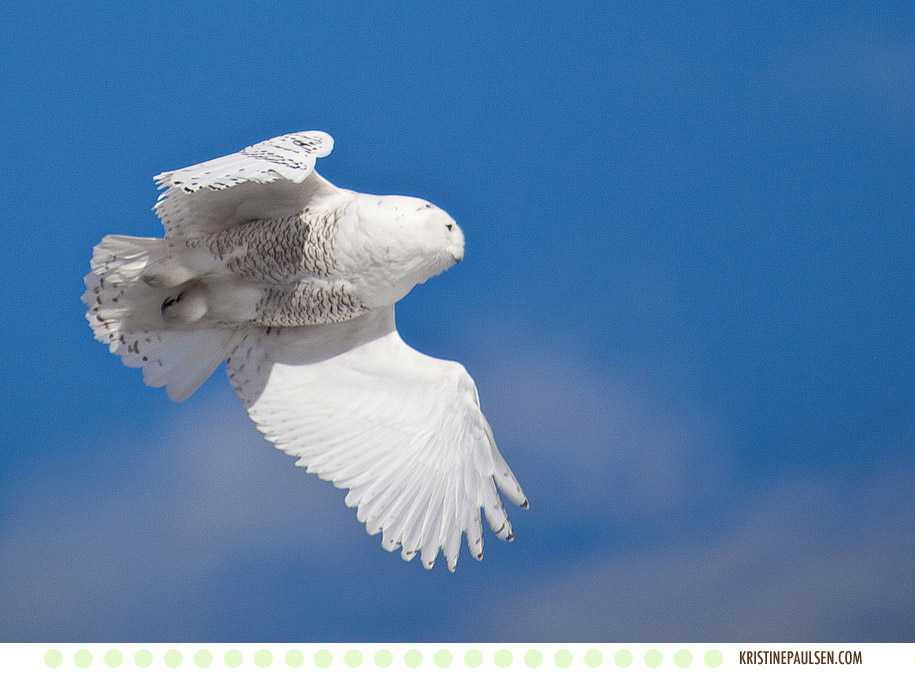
{"x":264,"y":181}
{"x":402,"y":431}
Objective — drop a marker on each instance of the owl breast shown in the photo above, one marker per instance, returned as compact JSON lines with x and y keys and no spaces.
{"x":281,"y":272}
{"x":280,"y":251}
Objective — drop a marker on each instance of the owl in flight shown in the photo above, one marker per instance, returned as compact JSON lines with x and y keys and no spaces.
{"x":292,"y":282}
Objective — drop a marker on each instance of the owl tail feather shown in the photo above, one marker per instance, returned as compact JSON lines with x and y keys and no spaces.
{"x":128,"y":293}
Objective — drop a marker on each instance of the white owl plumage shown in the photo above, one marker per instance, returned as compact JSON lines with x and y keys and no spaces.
{"x":292,"y":282}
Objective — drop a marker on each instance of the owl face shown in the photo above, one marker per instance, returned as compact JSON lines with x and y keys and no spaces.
{"x":404,"y":241}
{"x":440,"y":234}
{"x":414,"y":229}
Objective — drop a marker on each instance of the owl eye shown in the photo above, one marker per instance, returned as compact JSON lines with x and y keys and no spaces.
{"x":449,"y":226}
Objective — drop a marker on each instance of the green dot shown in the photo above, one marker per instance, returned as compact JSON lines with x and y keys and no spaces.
{"x":353,"y":658}
{"x":533,"y":658}
{"x":503,"y":658}
{"x":53,"y":658}
{"x":263,"y":658}
{"x":713,"y":658}
{"x":623,"y":658}
{"x":83,"y":658}
{"x":203,"y":658}
{"x":683,"y":658}
{"x":413,"y":658}
{"x":563,"y":658}
{"x":653,"y":658}
{"x":233,"y":658}
{"x":323,"y":658}
{"x":143,"y":658}
{"x":473,"y":658}
{"x":173,"y":658}
{"x":443,"y":658}
{"x":294,"y":658}
{"x":383,"y":658}
{"x":593,"y":658}
{"x":113,"y":658}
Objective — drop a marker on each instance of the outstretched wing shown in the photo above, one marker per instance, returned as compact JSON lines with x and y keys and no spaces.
{"x":264,"y":181}
{"x":401,"y":430}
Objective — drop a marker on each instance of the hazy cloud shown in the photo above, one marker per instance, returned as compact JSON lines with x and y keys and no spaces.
{"x":593,"y":440}
{"x":802,"y":561}
{"x":863,"y":65}
{"x":101,"y":555}
{"x":163,"y":534}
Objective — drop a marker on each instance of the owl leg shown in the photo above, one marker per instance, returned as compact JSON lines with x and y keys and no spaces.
{"x":188,"y":306}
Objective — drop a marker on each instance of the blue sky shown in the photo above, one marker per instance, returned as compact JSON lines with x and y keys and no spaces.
{"x":687,"y":301}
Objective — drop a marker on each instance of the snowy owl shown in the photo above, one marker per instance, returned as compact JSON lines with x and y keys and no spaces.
{"x":292,"y":282}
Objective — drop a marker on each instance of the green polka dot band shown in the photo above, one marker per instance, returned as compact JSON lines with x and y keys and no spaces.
{"x":436,"y":657}
{"x":432,"y":657}
{"x":370,"y":657}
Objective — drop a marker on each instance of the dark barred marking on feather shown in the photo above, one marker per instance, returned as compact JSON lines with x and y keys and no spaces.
{"x":308,"y":303}
{"x":278,"y":251}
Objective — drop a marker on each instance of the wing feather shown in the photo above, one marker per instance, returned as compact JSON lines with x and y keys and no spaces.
{"x":401,"y":430}
{"x":264,"y":181}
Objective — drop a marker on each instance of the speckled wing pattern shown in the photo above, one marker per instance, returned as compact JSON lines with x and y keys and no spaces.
{"x":401,"y":430}
{"x":261,"y":182}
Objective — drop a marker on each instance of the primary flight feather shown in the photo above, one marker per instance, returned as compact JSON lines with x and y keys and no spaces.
{"x":292,"y":282}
